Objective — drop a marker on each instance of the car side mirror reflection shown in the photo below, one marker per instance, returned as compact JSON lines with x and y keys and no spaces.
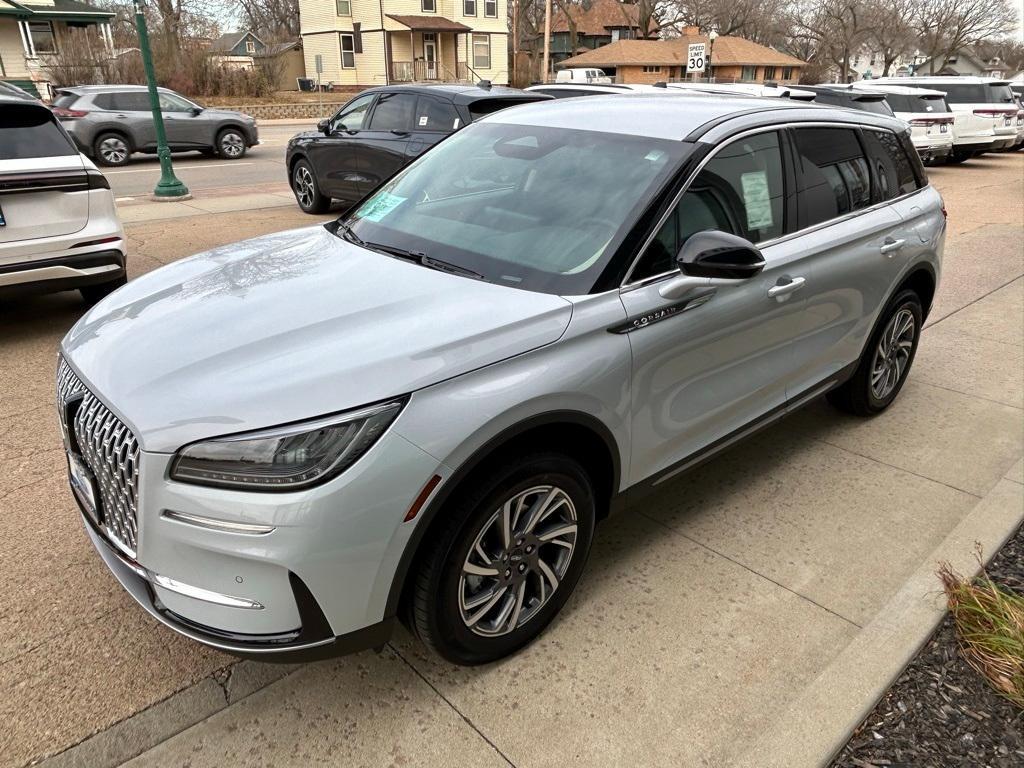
{"x":719,"y":255}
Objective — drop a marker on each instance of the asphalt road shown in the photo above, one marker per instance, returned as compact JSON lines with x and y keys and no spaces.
{"x":262,"y":165}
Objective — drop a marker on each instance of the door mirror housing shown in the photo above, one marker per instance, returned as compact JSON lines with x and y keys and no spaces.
{"x":324,"y":126}
{"x":719,"y":255}
{"x":196,"y":111}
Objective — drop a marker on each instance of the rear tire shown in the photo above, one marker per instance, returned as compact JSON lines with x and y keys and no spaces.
{"x":307,"y":191}
{"x":480,"y":593}
{"x":886,"y":360}
{"x":91,"y":294}
{"x":111,"y":149}
{"x":958,"y":156}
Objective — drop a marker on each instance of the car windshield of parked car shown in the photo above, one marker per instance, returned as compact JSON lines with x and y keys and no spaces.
{"x":29,"y":131}
{"x":537,"y":208}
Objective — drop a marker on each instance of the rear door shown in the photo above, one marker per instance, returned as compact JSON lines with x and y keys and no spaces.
{"x":335,"y":157}
{"x":850,"y":246}
{"x":385,"y":141}
{"x":43,"y":190}
{"x":435,"y":118}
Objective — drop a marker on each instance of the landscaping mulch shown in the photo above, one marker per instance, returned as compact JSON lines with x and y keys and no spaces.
{"x":941,"y":713}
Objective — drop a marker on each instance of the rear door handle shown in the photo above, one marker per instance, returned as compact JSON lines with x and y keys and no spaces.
{"x":795,"y":284}
{"x":891,"y":246}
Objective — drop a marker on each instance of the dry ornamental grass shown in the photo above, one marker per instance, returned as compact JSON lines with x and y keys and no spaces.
{"x":989,"y":624}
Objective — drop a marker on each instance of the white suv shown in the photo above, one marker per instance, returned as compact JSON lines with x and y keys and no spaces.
{"x":58,"y":226}
{"x":932,"y":124}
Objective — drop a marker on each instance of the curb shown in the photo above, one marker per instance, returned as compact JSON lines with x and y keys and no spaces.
{"x":144,"y":730}
{"x":819,"y":722}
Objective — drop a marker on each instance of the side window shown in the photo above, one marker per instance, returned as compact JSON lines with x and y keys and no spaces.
{"x":353,"y":116}
{"x":894,"y":174}
{"x":834,"y":174}
{"x":435,"y":115}
{"x":129,"y":101}
{"x":171,"y":103}
{"x":393,"y":112}
{"x":741,"y":190}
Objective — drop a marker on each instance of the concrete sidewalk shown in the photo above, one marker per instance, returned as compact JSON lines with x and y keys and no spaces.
{"x":755,"y":606}
{"x":219,"y":200}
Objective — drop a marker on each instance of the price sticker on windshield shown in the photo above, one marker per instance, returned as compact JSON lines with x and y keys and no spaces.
{"x":695,"y":57}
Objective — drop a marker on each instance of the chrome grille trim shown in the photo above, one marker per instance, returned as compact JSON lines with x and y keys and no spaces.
{"x":111,"y":452}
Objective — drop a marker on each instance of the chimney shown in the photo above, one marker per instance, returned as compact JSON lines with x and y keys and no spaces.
{"x":691,"y":31}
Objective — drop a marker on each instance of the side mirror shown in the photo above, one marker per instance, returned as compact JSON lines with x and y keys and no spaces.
{"x":719,"y":255}
{"x":196,"y":111}
{"x":324,"y":126}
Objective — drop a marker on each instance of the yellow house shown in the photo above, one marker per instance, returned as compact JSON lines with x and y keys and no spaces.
{"x":379,"y":42}
{"x":33,"y":31}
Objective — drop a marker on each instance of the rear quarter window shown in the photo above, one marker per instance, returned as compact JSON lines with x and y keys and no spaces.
{"x":893,"y":169}
{"x":835,"y":178}
{"x":31,"y":131}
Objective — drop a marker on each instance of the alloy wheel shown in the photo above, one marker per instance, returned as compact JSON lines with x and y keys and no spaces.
{"x":893,"y":353}
{"x":517,"y":560}
{"x":113,"y":150}
{"x":231,"y":145}
{"x":304,"y":189}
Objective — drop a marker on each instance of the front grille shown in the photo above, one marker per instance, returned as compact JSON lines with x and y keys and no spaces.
{"x":111,"y":452}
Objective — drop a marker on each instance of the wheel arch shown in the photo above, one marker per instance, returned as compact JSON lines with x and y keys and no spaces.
{"x":579,"y":435}
{"x":921,"y":280}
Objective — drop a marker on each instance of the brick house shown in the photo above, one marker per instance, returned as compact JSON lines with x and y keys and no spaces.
{"x":733,"y":59}
{"x":597,"y":23}
{"x":377,"y":42}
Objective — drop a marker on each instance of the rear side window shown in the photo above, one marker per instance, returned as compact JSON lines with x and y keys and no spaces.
{"x":435,"y":115}
{"x":741,"y":190}
{"x":123,"y":101}
{"x":894,"y":174}
{"x":834,"y":174}
{"x":29,"y":132}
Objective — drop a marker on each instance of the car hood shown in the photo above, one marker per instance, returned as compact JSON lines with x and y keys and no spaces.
{"x":289,"y":327}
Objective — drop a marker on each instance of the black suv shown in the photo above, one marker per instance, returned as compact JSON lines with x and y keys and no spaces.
{"x":380,"y":131}
{"x":844,"y":96}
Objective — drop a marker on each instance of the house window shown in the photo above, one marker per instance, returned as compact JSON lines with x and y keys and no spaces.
{"x":348,"y":51}
{"x":482,"y":51}
{"x":39,"y":37}
{"x":428,"y":6}
{"x":469,"y":7}
{"x":649,"y":69}
{"x":787,"y":73}
{"x":749,"y":73}
{"x":250,"y":46}
{"x":615,"y":35}
{"x":769,"y":73}
{"x":344,"y":7}
{"x":491,"y":8}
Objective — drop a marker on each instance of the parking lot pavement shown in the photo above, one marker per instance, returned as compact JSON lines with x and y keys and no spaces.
{"x":712,"y":617}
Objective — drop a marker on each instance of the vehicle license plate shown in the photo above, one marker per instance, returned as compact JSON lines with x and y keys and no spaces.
{"x":943,"y":128}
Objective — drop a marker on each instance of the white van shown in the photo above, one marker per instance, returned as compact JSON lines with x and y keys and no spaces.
{"x":987,"y":103}
{"x":932,"y":124}
{"x":582,"y":75}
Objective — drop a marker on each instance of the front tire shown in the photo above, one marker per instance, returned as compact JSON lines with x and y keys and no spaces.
{"x":886,"y":360}
{"x":307,"y":191}
{"x":231,"y":144}
{"x":507,"y":559}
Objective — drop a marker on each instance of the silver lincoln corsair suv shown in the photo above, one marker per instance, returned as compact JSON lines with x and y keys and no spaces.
{"x":421,"y":410}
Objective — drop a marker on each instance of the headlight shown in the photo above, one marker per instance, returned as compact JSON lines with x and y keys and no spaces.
{"x":285,"y":458}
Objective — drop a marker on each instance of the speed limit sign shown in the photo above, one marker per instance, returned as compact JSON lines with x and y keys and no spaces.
{"x":695,"y":57}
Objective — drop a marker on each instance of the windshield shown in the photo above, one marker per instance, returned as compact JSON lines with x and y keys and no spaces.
{"x":542,"y":209}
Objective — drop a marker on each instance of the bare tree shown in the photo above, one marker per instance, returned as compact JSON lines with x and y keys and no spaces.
{"x":270,"y":19}
{"x":892,"y":34}
{"x":947,"y":26}
{"x":837,"y":28}
{"x":757,"y":20}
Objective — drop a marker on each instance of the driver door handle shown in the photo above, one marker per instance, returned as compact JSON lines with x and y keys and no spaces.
{"x":891,"y":246}
{"x":795,"y":284}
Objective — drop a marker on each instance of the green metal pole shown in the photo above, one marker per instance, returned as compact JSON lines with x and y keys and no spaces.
{"x":169,"y":186}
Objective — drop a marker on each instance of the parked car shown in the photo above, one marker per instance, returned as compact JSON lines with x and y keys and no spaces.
{"x":59,"y":229}
{"x":769,"y":90}
{"x":847,"y":96}
{"x":111,"y":122}
{"x":571,"y":91}
{"x":423,"y":408}
{"x":986,"y":103}
{"x":380,"y":131}
{"x":933,"y":127}
{"x":582,"y":75}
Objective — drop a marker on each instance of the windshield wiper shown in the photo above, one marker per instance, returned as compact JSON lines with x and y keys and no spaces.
{"x":346,"y":232}
{"x":418,"y":257}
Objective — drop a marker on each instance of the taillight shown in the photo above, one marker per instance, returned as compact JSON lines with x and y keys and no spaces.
{"x":993,"y":112}
{"x":69,"y":114}
{"x":97,"y":180}
{"x":929,"y":121}
{"x":944,"y":214}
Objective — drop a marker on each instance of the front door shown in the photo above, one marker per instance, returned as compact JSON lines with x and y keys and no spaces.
{"x":336,"y":156}
{"x":184,"y":128}
{"x":430,"y":55}
{"x":707,"y":365}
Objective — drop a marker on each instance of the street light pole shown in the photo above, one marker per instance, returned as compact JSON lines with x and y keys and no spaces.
{"x":169,"y":187}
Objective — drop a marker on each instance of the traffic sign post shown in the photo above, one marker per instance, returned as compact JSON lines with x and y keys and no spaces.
{"x":696,"y":58}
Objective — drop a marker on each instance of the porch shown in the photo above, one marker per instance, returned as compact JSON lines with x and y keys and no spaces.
{"x":428,"y":50}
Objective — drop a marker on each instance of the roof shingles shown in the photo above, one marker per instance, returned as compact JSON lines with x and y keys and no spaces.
{"x":728,"y":51}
